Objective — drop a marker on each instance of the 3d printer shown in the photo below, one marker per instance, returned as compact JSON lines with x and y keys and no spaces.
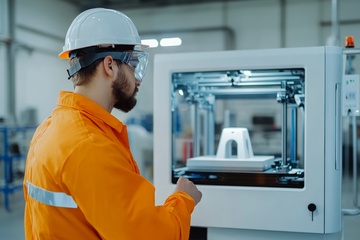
{"x":203,"y":106}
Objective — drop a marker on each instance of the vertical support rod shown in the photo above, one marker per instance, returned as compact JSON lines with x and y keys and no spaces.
{"x":205,"y":132}
{"x":173,"y":135}
{"x":211,"y":131}
{"x":302,"y":162}
{"x":6,"y":169}
{"x":335,"y":32}
{"x":283,"y":23}
{"x":284,"y":132}
{"x":10,"y":63}
{"x":196,"y":130}
{"x":293,"y":141}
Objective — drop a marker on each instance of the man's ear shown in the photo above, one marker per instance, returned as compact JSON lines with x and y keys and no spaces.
{"x":108,"y":65}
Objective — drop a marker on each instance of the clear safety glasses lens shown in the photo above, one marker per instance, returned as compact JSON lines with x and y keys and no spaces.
{"x":138,"y":60}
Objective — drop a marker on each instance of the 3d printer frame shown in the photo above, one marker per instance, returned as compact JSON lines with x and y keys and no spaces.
{"x":317,"y":79}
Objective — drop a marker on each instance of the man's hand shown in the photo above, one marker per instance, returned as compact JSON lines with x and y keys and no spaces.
{"x":185,"y":185}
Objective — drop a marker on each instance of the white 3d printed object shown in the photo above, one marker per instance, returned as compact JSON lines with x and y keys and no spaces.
{"x":224,"y":161}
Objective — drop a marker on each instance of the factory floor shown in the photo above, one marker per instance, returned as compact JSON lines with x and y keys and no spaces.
{"x":11,"y":222}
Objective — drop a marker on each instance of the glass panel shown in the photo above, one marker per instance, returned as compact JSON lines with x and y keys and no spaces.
{"x":228,"y":127}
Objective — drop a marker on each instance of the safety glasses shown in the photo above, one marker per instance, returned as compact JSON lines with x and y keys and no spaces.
{"x":138,"y":60}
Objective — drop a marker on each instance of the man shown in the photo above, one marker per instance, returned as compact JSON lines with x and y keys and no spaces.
{"x":81,"y":181}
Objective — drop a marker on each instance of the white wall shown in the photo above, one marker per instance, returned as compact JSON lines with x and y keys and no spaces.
{"x":41,"y":26}
{"x":302,"y":27}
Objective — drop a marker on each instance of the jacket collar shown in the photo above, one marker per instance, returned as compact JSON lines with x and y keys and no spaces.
{"x":84,"y":104}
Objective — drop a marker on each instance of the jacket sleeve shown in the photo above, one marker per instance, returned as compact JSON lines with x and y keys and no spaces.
{"x":117,"y":201}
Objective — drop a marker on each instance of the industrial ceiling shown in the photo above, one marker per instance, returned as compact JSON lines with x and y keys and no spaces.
{"x":133,"y":4}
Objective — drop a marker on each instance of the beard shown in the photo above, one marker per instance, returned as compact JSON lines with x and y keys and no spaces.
{"x":120,"y":90}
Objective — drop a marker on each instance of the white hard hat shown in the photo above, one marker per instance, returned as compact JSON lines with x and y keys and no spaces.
{"x":100,"y":26}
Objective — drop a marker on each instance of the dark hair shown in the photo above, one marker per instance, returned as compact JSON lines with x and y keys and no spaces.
{"x":85,"y":73}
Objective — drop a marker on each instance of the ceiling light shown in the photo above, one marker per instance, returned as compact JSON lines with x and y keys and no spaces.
{"x":152,"y":43}
{"x":168,"y":42}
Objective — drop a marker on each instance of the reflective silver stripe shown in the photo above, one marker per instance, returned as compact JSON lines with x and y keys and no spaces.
{"x":56,"y":199}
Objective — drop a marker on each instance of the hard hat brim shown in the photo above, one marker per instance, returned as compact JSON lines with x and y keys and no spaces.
{"x":65,"y":54}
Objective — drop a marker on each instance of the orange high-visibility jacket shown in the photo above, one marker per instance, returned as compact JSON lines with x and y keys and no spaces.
{"x":81,"y":181}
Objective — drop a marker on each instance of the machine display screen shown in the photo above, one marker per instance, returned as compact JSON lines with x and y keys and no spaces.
{"x":239,"y":127}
